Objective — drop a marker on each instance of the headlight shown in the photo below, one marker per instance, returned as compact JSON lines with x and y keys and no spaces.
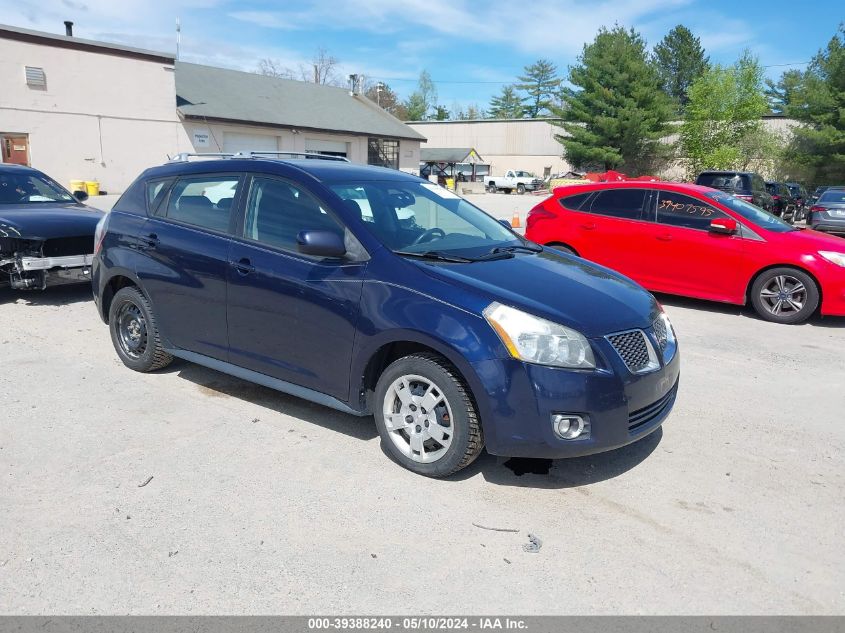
{"x":834,"y":257}
{"x":536,"y":340}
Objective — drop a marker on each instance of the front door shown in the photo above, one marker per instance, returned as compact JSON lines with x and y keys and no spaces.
{"x":291,"y":316}
{"x":15,"y":149}
{"x":684,"y":257}
{"x":186,"y":247}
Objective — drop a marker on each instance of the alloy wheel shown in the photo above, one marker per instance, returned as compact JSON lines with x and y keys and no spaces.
{"x":418,"y":418}
{"x":784,"y":295}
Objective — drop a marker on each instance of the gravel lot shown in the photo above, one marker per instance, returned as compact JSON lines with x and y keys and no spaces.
{"x":262,"y":503}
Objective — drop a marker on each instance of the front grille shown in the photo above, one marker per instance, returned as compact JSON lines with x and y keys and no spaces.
{"x":660,"y":333}
{"x":642,"y":417}
{"x":62,"y":246}
{"x":633,"y":347}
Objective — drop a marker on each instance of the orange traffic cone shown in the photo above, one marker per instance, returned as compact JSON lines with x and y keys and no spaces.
{"x":515,"y":222}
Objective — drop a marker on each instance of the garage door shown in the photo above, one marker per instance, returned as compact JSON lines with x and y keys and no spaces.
{"x":238,"y":142}
{"x":332,"y":148}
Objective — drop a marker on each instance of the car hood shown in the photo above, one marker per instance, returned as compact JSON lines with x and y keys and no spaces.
{"x":34,"y":221}
{"x":811,"y":241}
{"x":568,"y":290}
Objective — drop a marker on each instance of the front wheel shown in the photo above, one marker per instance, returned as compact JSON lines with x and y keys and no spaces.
{"x":426,"y":417}
{"x":785,"y":295}
{"x":520,"y":189}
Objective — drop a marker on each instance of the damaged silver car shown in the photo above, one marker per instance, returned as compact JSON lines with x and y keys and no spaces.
{"x":46,"y":234}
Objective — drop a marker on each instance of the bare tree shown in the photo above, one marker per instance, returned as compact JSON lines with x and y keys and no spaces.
{"x":321,"y":70}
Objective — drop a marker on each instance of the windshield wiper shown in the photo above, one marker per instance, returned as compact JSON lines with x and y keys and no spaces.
{"x":522,"y":248}
{"x":436,"y":255}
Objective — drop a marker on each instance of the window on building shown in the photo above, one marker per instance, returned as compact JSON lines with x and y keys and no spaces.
{"x":383,"y":152}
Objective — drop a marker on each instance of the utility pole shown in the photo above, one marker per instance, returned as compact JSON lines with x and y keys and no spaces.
{"x":379,"y":87}
{"x":178,"y":36}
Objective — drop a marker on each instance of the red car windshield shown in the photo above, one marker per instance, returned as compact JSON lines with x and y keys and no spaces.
{"x":752,"y":213}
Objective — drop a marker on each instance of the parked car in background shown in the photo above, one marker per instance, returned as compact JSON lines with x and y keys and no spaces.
{"x":745,"y":185}
{"x":453,"y":331}
{"x":46,"y":234}
{"x":513,"y":180}
{"x":802,"y":199}
{"x":784,"y":203}
{"x":698,"y":242}
{"x":828,"y":212}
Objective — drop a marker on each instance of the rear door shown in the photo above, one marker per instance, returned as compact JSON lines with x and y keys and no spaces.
{"x":609,"y":230}
{"x":291,"y":316}
{"x":185,"y":244}
{"x":683,"y":257}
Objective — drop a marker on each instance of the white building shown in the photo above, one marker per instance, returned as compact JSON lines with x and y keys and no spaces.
{"x":86,"y":110}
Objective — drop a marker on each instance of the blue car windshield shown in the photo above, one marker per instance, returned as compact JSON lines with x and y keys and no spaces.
{"x":417,"y":217}
{"x":28,"y":188}
{"x":752,"y":213}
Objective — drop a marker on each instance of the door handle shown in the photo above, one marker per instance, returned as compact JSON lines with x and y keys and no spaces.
{"x":243,"y":266}
{"x":665,"y":237}
{"x":588,"y":227}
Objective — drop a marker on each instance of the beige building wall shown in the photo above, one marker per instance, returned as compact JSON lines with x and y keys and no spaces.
{"x":503,"y":144}
{"x":219,"y":137}
{"x":101,"y":116}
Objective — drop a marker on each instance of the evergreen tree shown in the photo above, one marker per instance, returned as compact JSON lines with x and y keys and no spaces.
{"x":441,"y":113}
{"x":722,"y":126}
{"x":617,"y":113}
{"x":507,"y":105}
{"x":818,"y":101}
{"x":680,"y":60}
{"x":780,"y":94}
{"x":540,"y":83}
{"x":422,"y":100}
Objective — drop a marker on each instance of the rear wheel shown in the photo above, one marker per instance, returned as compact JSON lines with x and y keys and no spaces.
{"x":785,"y":295}
{"x":491,"y":188}
{"x":134,"y":332}
{"x":426,"y":417}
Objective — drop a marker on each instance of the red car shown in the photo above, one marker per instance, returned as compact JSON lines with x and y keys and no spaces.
{"x":697,"y":242}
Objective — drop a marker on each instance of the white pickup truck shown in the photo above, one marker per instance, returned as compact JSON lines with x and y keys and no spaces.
{"x":521,"y":181}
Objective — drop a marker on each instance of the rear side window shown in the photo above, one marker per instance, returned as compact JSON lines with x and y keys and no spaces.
{"x":204,"y":201}
{"x":772,"y":188}
{"x":575,"y":202}
{"x":677,"y":209}
{"x":619,"y":203}
{"x":156,"y":192}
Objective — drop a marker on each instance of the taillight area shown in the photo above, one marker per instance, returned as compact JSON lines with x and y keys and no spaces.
{"x":742,"y":196}
{"x":100,"y":233}
{"x":538,"y":213}
{"x":816,"y":208}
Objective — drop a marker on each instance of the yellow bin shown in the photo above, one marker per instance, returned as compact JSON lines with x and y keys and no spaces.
{"x":93,"y":187}
{"x":77,"y":185}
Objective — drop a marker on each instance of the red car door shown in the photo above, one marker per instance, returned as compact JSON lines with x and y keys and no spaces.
{"x":683,"y":256}
{"x":608,"y":231}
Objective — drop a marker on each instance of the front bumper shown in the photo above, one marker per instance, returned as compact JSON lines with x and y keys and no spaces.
{"x":39,"y":272}
{"x":622,"y":407}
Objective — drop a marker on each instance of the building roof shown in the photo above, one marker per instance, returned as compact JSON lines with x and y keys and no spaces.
{"x":206,"y":92}
{"x":449,"y":155}
{"x":64,"y":41}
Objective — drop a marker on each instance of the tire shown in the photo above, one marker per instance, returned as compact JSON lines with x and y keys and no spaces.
{"x":785,"y":295}
{"x":492,"y":188}
{"x":134,"y":332}
{"x":404,"y":424}
{"x":520,"y":189}
{"x":563,"y":248}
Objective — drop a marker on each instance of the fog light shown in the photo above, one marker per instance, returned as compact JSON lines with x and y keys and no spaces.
{"x":569,"y":427}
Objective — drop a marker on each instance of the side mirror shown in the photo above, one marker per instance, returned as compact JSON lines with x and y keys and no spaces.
{"x":724,"y":226}
{"x":321,"y":244}
{"x":81,"y":196}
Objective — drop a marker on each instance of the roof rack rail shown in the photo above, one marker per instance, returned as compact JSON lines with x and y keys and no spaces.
{"x":184,"y":157}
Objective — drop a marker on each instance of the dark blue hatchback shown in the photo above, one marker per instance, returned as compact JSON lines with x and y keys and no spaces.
{"x":378,"y":293}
